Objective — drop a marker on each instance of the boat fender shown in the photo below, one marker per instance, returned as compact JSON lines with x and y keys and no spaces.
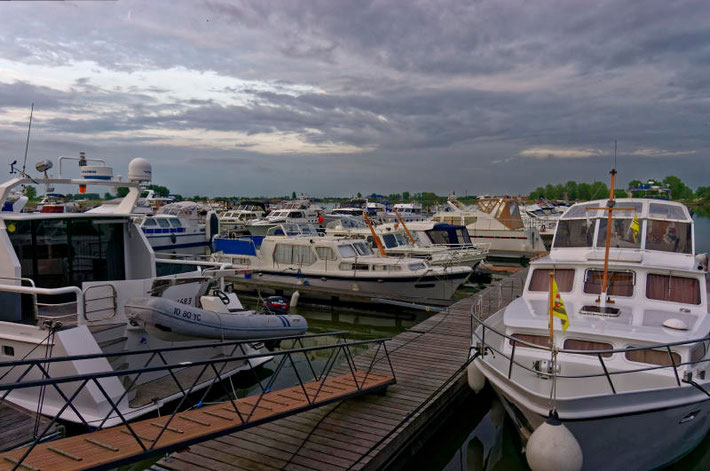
{"x":552,"y":447}
{"x":476,"y":379}
{"x":294,"y":298}
{"x":173,"y":239}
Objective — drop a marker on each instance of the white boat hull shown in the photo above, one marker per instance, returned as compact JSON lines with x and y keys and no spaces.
{"x":177,"y":241}
{"x":615,"y":442}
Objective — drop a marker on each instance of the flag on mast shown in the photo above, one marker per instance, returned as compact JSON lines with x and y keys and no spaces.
{"x":635,"y":227}
{"x":558,"y":307}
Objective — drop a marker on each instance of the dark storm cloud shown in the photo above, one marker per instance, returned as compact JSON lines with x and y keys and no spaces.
{"x":442,"y":95}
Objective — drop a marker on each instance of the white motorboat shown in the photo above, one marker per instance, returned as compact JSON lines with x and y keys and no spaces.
{"x":299,"y":256}
{"x":410,"y":212}
{"x":629,"y":376}
{"x":543,"y":216}
{"x":65,"y":282}
{"x":291,"y":212}
{"x":179,"y":225}
{"x":438,"y":243}
{"x":233,"y":222}
{"x":496,"y":221}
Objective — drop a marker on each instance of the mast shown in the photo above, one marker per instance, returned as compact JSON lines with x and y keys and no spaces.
{"x":610,"y":209}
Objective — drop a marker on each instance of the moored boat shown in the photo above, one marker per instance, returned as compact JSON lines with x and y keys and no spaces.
{"x":627,"y":374}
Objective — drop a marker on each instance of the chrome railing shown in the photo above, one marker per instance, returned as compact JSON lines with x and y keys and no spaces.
{"x":482,"y":331}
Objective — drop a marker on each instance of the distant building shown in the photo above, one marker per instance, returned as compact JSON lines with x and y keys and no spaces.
{"x":651,"y":189}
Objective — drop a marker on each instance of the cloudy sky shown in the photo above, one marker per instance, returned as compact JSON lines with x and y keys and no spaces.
{"x":333,"y":97}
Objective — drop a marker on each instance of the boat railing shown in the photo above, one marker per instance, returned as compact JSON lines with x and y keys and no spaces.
{"x":35,"y":291}
{"x":481,"y":345}
{"x":297,"y":364}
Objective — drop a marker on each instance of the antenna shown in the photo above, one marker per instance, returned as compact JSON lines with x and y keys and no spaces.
{"x":27,"y":144}
{"x":614,"y":153}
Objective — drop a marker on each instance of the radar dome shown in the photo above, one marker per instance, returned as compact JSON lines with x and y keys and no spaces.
{"x":140,"y":170}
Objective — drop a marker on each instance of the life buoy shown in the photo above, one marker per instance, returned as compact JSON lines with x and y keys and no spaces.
{"x":173,"y":239}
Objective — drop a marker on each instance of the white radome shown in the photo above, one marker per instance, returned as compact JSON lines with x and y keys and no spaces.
{"x":140,"y":170}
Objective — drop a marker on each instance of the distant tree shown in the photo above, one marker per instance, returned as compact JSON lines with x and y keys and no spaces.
{"x":703,"y":192}
{"x":679,"y":190}
{"x":293,"y":195}
{"x":121,"y":191}
{"x":178,"y":197}
{"x":108,"y":196}
{"x":635,"y":184}
{"x":359,"y":195}
{"x":160,"y":190}
{"x":405,"y":196}
{"x":599,"y":190}
{"x":31,"y":192}
{"x":621,"y":193}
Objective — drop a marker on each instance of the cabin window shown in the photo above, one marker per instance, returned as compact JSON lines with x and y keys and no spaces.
{"x":669,"y":236}
{"x":620,"y":283}
{"x":347,"y":251}
{"x":326,"y":253}
{"x":354,"y":266}
{"x":676,"y":289}
{"x":294,"y":254}
{"x":66,"y":252}
{"x":401,"y":240}
{"x":150,"y":223}
{"x":575,"y":344}
{"x":622,"y":234}
{"x":296,"y":215}
{"x":666,"y":211}
{"x":175,"y":222}
{"x":389,"y":240}
{"x":440,"y":236}
{"x":574,"y":233}
{"x":362,"y":248}
{"x":163,"y":222}
{"x":541,"y":340}
{"x":653,"y":357}
{"x":417,"y":266}
{"x":8,"y":350}
{"x":540,"y":280}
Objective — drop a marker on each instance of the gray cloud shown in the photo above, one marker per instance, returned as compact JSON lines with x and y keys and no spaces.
{"x":438,"y":96}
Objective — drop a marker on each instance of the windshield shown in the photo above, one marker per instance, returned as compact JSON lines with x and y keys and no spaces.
{"x":347,"y":251}
{"x":362,"y":248}
{"x":623,"y":234}
{"x":574,"y":233}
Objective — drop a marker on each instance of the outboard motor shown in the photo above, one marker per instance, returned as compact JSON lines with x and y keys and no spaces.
{"x":276,"y":305}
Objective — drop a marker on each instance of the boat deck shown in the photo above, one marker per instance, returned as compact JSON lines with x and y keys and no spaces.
{"x":113,"y":446}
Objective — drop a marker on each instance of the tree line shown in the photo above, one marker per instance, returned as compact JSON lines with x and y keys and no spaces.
{"x":598,"y":190}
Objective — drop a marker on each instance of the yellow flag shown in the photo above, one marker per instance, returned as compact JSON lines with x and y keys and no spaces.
{"x":635,"y":227}
{"x":558,"y":309}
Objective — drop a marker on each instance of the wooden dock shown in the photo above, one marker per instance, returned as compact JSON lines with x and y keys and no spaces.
{"x":116,"y":445}
{"x":17,"y":426}
{"x":369,"y":432}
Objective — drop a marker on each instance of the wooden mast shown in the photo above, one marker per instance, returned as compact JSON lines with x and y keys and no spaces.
{"x":409,"y":234}
{"x":378,"y":243}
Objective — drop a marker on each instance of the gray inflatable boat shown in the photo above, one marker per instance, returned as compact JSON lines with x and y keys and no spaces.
{"x":170,"y":320}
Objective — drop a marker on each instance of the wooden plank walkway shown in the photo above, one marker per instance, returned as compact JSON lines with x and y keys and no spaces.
{"x":367,"y":432}
{"x":116,"y":445}
{"x":17,"y":426}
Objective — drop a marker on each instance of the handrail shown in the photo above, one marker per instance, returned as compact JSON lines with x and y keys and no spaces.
{"x":91,"y":356}
{"x":49,"y":292}
{"x":587,"y":352}
{"x":151,"y":369}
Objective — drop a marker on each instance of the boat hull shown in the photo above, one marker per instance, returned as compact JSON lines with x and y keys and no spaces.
{"x":614,"y":442}
{"x":177,"y":241}
{"x":430,"y":286}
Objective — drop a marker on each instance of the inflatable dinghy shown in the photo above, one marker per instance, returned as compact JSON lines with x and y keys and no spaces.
{"x":170,"y":320}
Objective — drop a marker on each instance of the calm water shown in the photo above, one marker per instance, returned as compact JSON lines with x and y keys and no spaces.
{"x":481,"y":437}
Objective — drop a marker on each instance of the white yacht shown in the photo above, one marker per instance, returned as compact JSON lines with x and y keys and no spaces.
{"x":629,"y":375}
{"x":179,"y":225}
{"x":543,"y":216}
{"x":299,"y":255}
{"x":438,"y":243}
{"x":291,"y":212}
{"x":410,"y":212}
{"x":496,"y":221}
{"x":73,"y":284}
{"x":233,"y":222}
